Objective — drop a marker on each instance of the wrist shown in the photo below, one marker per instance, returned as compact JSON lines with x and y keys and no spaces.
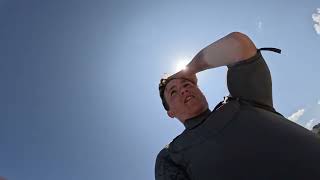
{"x":198,"y":63}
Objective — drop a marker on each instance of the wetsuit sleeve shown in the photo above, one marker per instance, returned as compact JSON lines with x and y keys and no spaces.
{"x":250,"y":79}
{"x":166,"y":169}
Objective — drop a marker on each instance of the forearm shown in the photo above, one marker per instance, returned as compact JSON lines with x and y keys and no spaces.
{"x":228,"y":50}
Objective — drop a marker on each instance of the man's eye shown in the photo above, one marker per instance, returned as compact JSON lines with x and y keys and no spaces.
{"x":172,"y":93}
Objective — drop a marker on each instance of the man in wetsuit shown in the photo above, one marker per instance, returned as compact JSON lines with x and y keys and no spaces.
{"x":243,"y":137}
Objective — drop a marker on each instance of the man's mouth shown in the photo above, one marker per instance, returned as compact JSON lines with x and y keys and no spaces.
{"x":188,"y":98}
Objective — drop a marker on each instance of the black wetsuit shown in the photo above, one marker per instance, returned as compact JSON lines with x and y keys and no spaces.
{"x":243,"y":138}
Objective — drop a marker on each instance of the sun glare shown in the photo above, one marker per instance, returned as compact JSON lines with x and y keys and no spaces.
{"x":181,"y":65}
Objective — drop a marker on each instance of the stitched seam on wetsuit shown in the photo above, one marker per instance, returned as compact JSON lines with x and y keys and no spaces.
{"x":246,"y":61}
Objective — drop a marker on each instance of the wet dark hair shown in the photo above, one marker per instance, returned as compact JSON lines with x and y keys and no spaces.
{"x":162,"y":86}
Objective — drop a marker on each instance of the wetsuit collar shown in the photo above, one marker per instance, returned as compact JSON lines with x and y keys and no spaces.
{"x":197,"y":120}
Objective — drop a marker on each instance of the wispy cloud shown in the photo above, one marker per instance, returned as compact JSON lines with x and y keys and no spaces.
{"x":295,"y":116}
{"x":260,"y":24}
{"x":309,"y":124}
{"x":316,"y":19}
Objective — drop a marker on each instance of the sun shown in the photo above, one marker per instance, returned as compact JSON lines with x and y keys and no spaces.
{"x":181,"y":65}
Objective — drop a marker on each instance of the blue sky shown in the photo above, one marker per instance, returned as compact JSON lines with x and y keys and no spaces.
{"x":79,"y":79}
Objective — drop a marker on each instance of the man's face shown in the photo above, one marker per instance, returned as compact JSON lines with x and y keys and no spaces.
{"x":185,"y":99}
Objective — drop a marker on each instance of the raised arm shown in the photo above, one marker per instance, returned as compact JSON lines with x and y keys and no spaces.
{"x":228,"y":50}
{"x":248,"y":75}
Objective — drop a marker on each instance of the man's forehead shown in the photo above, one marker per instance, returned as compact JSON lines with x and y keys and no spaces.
{"x":174,"y":82}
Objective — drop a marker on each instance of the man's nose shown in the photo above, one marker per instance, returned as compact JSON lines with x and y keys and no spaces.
{"x":183,"y":91}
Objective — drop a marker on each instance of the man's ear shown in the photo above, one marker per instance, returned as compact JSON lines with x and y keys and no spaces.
{"x":170,"y":114}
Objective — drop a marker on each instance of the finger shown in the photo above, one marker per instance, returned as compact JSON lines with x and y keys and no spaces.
{"x":183,"y":74}
{"x":179,"y":74}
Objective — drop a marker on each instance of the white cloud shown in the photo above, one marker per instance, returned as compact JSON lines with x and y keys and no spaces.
{"x":309,"y":124}
{"x":316,"y":19}
{"x":259,"y":24}
{"x":295,"y":116}
{"x":319,"y":102}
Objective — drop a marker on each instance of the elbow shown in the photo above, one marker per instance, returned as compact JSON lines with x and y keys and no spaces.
{"x":241,"y":37}
{"x":246,"y":47}
{"x":238,"y":34}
